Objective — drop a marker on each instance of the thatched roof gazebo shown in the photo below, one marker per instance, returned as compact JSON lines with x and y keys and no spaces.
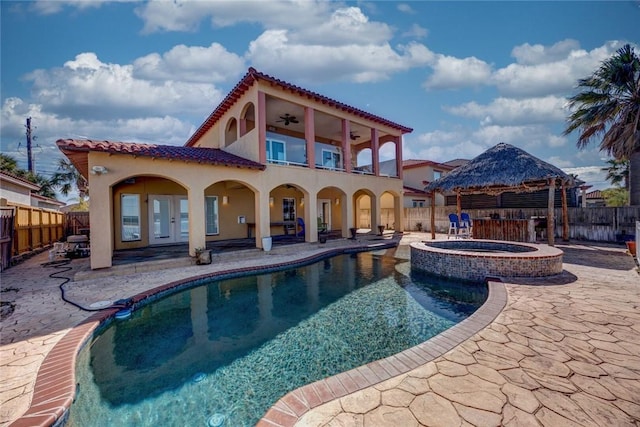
{"x":505,"y":168}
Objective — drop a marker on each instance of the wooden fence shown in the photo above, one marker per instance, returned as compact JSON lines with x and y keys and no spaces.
{"x":27,"y":229}
{"x":595,"y":224}
{"x":76,"y":223}
{"x":6,"y":236}
{"x":35,"y":228}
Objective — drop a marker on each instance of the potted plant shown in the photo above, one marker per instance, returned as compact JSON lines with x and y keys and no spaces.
{"x":419,"y":226}
{"x":203,"y":256}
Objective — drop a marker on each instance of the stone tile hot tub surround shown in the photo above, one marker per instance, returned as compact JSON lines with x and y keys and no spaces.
{"x":476,"y":260}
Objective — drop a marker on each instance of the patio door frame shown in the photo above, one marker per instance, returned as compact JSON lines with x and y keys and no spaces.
{"x":171,"y":218}
{"x":324,"y":211}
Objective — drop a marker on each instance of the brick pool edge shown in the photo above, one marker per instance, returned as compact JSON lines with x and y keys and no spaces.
{"x":475,"y":260}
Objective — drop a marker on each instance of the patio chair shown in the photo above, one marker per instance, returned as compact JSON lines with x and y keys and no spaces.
{"x":301,"y":226}
{"x":466,"y":223}
{"x":456,"y":228}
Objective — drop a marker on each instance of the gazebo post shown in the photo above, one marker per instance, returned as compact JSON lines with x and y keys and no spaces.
{"x":550,"y":214}
{"x":433,"y":215}
{"x":458,"y":203}
{"x":565,"y":214}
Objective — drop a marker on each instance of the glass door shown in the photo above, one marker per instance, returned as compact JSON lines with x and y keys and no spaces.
{"x":168,"y":219}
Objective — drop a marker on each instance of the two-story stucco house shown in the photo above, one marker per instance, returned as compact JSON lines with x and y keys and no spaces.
{"x":271,"y":158}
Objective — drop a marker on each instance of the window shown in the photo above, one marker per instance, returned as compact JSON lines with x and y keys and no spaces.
{"x":288,"y":209}
{"x":211,"y":215}
{"x":330,"y":159}
{"x":275,"y":151}
{"x":418,"y":203}
{"x":437,"y":175}
{"x":130,"y":213}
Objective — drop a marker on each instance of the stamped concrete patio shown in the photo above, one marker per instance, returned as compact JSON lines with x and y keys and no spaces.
{"x":564,"y":351}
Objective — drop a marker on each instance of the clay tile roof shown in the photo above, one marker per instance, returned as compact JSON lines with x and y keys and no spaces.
{"x":253,"y":75}
{"x":211,"y":156}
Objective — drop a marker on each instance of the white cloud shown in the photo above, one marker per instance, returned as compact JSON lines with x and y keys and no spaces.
{"x":527,"y":54}
{"x":451,"y":73}
{"x":49,"y":127}
{"x":210,"y":64}
{"x":344,"y":26}
{"x":508,"y":111}
{"x":182,"y":15}
{"x":555,"y":70}
{"x":591,"y":175}
{"x":406,"y":8}
{"x":274,"y":51}
{"x":441,"y":146}
{"x":416,"y":32}
{"x":88,"y":88}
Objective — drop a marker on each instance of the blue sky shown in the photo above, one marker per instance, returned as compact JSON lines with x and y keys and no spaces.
{"x":464,"y":75}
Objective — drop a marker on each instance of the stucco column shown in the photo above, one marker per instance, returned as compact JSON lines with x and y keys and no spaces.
{"x":197,"y":229}
{"x":101,"y":212}
{"x":263,"y":216}
{"x":311,"y":215}
{"x":398,"y":214}
{"x":375,"y":212}
{"x":262,"y":127}
{"x":348,"y":213}
{"x":346,"y":145}
{"x":310,"y":136}
{"x":375,"y":155}
{"x":398,"y":141}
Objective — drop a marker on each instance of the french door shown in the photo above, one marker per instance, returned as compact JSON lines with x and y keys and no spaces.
{"x":168,"y":219}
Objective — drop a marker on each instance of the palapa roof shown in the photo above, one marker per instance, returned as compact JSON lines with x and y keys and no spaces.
{"x":500,"y":169}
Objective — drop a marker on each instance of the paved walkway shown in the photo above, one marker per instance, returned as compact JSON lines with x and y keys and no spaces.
{"x":563,"y":352}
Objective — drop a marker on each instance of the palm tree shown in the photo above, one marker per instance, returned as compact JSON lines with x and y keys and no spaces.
{"x":67,"y":177}
{"x":608,"y":106}
{"x":618,"y":172}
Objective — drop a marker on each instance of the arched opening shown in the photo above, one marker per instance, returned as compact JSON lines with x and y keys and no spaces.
{"x":149,"y":210}
{"x":286,"y":213}
{"x":363,"y":208}
{"x":231,"y":132}
{"x":229,"y":211}
{"x":388,"y":211}
{"x":247,"y":119}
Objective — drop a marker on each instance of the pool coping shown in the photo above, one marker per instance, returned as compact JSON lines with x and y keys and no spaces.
{"x":55,"y":385}
{"x":288,"y":410}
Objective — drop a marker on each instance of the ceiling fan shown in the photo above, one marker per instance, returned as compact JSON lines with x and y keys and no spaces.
{"x":287,"y":119}
{"x":353,"y":136}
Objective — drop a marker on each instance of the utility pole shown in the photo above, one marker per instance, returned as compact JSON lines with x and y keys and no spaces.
{"x":29,"y":152}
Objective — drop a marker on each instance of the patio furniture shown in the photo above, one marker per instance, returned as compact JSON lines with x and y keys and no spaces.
{"x":465,"y":220}
{"x":456,"y":228}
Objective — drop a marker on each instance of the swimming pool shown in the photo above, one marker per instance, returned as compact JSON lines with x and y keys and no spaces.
{"x":222,"y":353}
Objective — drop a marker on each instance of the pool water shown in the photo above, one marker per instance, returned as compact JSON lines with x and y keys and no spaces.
{"x":224,"y":352}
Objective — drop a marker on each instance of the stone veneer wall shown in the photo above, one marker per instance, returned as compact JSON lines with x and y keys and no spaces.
{"x":442,"y":259}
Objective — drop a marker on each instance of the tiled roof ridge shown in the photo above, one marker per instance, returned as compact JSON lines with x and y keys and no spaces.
{"x":19,"y":178}
{"x":175,"y":152}
{"x":250,"y":78}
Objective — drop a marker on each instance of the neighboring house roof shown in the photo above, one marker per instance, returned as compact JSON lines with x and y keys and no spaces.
{"x":500,"y":169}
{"x":409,"y":191}
{"x":456,"y":162}
{"x":76,"y":151}
{"x":253,"y":75}
{"x":48,"y":200}
{"x":596,"y":194}
{"x":416,"y":163}
{"x":17,"y":180}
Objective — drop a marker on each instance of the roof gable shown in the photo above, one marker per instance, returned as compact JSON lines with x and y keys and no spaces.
{"x":253,"y":76}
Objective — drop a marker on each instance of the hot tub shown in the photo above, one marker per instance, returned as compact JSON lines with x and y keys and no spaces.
{"x":475,"y":260}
